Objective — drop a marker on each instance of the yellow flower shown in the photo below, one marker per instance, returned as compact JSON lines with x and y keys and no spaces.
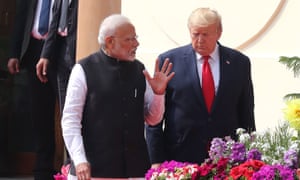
{"x":292,"y":113}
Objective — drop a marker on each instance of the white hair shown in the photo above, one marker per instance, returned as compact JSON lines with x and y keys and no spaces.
{"x":109,"y":26}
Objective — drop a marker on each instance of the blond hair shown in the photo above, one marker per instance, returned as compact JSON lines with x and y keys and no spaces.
{"x":203,"y":17}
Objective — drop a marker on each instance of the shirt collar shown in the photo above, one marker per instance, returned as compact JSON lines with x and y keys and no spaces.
{"x":214,"y":56}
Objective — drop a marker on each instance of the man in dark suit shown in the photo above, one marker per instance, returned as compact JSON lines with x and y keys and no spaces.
{"x":26,"y":46}
{"x":60,"y":46}
{"x":189,"y":123}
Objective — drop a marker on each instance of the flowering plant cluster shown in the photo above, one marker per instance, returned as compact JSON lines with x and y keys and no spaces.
{"x":258,"y":156}
{"x":173,"y":170}
{"x":64,"y":173}
{"x":261,"y":156}
{"x":268,"y":155}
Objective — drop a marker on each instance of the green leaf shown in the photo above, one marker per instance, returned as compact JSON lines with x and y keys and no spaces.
{"x":291,"y":96}
{"x":292,"y":63}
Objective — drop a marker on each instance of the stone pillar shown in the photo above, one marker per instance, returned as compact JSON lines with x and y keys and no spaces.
{"x":90,"y":15}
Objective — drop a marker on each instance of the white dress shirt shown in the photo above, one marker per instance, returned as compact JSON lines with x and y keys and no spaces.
{"x":73,"y":109}
{"x":214,"y":62}
{"x":35,"y":32}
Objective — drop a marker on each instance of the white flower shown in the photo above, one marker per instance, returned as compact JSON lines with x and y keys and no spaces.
{"x":240,"y":131}
{"x":295,"y":145}
{"x":265,"y":147}
{"x":244,"y":138}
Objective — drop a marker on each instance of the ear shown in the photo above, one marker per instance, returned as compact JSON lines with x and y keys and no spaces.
{"x":219,"y":35}
{"x":219,"y":32}
{"x":109,"y":41}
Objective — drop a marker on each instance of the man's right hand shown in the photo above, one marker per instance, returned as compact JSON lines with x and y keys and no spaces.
{"x":155,"y":166}
{"x":83,"y":171}
{"x":13,"y":65}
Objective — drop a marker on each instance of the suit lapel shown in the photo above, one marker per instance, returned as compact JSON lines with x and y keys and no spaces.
{"x":225,"y":74}
{"x":191,"y":67}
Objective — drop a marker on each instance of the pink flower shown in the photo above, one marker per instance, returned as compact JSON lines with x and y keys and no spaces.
{"x":64,"y":173}
{"x":65,"y":169}
{"x":59,"y":176}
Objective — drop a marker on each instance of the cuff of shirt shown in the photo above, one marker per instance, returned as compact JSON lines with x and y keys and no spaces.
{"x":79,"y":159}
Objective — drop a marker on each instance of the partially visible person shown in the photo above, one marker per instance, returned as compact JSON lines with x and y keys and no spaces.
{"x":110,"y":97}
{"x":191,"y":119}
{"x":60,"y":46}
{"x":60,"y":49}
{"x":27,"y":40}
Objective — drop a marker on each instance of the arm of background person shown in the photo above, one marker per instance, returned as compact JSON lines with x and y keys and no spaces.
{"x":246,"y":103}
{"x":17,"y":35}
{"x":51,"y":45}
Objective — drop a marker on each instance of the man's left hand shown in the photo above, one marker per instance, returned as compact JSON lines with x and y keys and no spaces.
{"x":161,"y":77}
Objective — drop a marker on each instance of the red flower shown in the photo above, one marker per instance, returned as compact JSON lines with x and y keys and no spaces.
{"x":246,"y":169}
{"x":214,"y":170}
{"x":222,"y":164}
{"x":205,"y":169}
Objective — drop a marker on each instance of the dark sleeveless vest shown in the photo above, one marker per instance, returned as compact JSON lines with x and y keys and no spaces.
{"x":113,"y":117}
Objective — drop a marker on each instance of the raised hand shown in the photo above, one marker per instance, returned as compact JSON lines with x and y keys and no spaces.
{"x":161,"y":77}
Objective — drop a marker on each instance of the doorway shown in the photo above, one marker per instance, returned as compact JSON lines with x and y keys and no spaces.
{"x":17,"y":155}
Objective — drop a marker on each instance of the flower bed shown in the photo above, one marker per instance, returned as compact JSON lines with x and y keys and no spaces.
{"x":258,"y":156}
{"x":272,"y":154}
{"x":268,"y":155}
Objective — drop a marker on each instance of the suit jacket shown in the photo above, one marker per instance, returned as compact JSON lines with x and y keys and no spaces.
{"x":58,"y":49}
{"x":23,"y":24}
{"x":188,"y":127}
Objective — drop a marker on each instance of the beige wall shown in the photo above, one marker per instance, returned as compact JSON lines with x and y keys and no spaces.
{"x":161,"y":25}
{"x":90,"y":15}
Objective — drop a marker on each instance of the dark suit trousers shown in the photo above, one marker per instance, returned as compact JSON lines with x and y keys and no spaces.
{"x":64,"y":62}
{"x":43,"y":112}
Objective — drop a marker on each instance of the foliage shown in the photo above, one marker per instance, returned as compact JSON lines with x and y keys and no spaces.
{"x":292,"y":63}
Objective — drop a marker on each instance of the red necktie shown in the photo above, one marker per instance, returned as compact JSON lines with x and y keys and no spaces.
{"x":208,"y":87}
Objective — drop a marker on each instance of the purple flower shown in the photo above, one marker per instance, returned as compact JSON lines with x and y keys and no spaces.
{"x":238,"y":153}
{"x":269,"y":172}
{"x":217,"y":148}
{"x":254,"y":154}
{"x":291,"y":158}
